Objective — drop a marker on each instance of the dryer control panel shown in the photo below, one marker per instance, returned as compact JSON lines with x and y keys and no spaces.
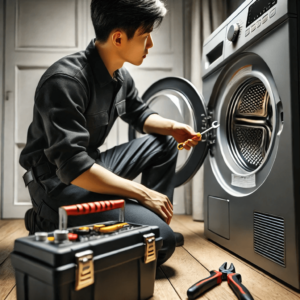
{"x":258,"y":8}
{"x":252,"y":20}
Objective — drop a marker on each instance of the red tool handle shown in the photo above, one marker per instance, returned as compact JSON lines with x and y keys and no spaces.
{"x":235,"y":282}
{"x":93,"y":207}
{"x":205,"y":284}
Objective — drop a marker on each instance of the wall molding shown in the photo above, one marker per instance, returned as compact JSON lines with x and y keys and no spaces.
{"x":2,"y":37}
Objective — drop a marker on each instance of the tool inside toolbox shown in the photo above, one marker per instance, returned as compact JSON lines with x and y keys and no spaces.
{"x":92,"y":232}
{"x":88,"y":232}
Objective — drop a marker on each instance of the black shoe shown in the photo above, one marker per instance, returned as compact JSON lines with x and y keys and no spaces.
{"x":179,"y":239}
{"x":30,"y":220}
{"x":35,"y":223}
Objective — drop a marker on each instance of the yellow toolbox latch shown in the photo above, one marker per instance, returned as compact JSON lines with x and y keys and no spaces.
{"x":85,"y":269}
{"x":150,"y":251}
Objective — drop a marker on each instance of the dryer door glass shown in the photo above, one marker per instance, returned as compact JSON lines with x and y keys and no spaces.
{"x":177,"y":99}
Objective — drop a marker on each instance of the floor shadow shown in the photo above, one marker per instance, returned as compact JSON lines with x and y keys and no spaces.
{"x":165,"y":271}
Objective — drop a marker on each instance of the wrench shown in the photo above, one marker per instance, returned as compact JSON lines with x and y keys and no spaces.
{"x":214,"y":125}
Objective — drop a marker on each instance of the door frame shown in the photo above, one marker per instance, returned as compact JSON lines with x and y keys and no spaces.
{"x":2,"y":40}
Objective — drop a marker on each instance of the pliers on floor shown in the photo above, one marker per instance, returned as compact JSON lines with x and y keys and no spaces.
{"x":234,"y":280}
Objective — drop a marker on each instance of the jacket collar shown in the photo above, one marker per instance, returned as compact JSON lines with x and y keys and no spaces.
{"x":99,"y":68}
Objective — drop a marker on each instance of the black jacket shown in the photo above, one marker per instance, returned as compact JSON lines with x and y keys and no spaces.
{"x":76,"y":104}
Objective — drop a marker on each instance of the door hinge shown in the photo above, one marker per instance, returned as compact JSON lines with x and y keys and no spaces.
{"x":150,"y":251}
{"x":204,"y":125}
{"x":85,"y":269}
{"x":210,"y":137}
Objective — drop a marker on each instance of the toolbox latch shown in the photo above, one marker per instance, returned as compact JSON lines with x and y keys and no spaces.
{"x":85,"y":269}
{"x":150,"y":251}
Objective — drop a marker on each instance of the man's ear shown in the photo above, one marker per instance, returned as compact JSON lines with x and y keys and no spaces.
{"x":117,"y":37}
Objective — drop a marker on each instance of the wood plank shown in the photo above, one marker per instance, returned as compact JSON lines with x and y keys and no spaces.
{"x":163,"y":290}
{"x":10,"y":227}
{"x":13,"y":230}
{"x":4,"y":222}
{"x":7,"y":278}
{"x":211,"y":257}
{"x":12,"y":295}
{"x":183,"y":271}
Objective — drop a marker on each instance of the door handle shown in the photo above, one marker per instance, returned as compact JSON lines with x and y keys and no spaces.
{"x":7,"y":95}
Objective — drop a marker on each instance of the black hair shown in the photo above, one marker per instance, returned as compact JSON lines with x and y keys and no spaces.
{"x":127,"y":15}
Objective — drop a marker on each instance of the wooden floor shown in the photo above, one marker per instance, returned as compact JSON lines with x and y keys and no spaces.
{"x":188,"y":264}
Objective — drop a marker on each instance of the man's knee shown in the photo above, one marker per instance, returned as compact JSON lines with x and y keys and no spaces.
{"x":165,"y":143}
{"x":169,"y":244}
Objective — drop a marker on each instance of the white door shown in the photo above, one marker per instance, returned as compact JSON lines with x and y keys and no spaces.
{"x":38,"y":33}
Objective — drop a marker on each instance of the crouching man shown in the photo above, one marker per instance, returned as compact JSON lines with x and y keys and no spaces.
{"x":77,"y":101}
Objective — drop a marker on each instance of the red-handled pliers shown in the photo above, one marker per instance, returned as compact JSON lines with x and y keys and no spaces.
{"x":234,"y":280}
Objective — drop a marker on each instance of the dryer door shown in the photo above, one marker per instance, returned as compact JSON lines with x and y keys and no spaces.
{"x":177,"y":99}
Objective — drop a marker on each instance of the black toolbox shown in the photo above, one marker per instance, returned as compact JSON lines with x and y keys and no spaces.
{"x":86,"y":263}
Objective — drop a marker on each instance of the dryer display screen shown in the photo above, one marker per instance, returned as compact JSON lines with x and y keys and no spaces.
{"x":258,"y":8}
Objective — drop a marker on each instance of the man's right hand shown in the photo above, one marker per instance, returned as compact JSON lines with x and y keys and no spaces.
{"x":158,"y":203}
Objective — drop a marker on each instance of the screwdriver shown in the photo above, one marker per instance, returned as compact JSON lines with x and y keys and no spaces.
{"x":112,"y":228}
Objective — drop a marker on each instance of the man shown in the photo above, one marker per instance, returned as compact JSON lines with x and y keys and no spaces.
{"x":76,"y":104}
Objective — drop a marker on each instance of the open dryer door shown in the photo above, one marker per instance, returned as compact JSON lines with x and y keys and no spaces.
{"x":177,"y":99}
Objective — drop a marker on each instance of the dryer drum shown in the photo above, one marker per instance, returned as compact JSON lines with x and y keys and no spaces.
{"x":249,"y":124}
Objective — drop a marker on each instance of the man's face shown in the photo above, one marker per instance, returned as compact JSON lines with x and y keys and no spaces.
{"x":135,"y":50}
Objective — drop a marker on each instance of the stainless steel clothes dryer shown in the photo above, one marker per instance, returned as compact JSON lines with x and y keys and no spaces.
{"x":251,"y":87}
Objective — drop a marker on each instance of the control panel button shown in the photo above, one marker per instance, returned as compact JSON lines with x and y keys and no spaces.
{"x":272,"y":12}
{"x":247,"y":32}
{"x":233,"y":32}
{"x":265,"y":19}
{"x":258,"y":23}
{"x":253,"y":27}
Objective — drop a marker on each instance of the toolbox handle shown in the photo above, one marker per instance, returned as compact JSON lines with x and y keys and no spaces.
{"x":89,"y":208}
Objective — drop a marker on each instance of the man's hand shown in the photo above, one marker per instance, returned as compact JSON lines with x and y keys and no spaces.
{"x":158,"y":203}
{"x":182,"y":133}
{"x":100,"y":180}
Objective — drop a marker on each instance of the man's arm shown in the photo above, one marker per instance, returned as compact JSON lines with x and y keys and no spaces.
{"x":99,"y":180}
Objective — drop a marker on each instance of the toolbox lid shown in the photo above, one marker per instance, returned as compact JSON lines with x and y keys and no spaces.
{"x":57,"y":255}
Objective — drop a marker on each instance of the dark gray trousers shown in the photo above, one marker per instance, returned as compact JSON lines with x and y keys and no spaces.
{"x":154,"y":156}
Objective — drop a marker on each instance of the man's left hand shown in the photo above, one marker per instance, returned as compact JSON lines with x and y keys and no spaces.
{"x":184,"y":133}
